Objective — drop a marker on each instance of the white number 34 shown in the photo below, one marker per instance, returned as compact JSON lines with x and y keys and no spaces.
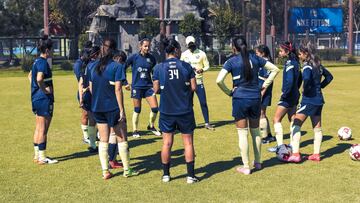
{"x":174,"y":73}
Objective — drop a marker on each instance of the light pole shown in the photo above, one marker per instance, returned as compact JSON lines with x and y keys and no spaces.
{"x":286,"y":10}
{"x":351,"y":24}
{"x":46,"y":17}
{"x":263,"y":26}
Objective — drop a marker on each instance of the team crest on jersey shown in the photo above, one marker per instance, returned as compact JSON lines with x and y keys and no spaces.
{"x":139,"y":69}
{"x":148,"y":60}
{"x":197,"y":57}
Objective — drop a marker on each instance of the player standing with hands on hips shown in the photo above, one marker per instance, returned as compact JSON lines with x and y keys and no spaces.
{"x":175,"y":81}
{"x":198,"y":60}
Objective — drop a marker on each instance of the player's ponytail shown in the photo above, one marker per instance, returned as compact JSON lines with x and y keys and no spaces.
{"x":44,"y":43}
{"x":106,"y":56}
{"x":170,"y":46}
{"x":290,"y":48}
{"x":313,"y":60}
{"x":265,"y":51}
{"x":240,"y":45}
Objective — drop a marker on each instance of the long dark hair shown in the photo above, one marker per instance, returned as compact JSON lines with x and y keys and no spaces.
{"x":106,"y":57}
{"x":240,"y":45}
{"x":289,"y":47}
{"x":263,"y":49}
{"x":170,"y":45}
{"x":312,"y":59}
{"x":121,"y":54}
{"x":44,"y":43}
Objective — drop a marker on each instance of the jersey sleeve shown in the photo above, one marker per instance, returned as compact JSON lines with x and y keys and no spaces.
{"x":77,"y":70}
{"x":261,"y":61}
{"x":42,"y":67}
{"x":288,"y":80}
{"x":120,"y":73}
{"x":205,"y":62}
{"x":307,"y":77}
{"x":327,"y":77}
{"x":129,"y":61}
{"x":190,"y":69}
{"x":156,"y":74}
{"x":227,"y":66}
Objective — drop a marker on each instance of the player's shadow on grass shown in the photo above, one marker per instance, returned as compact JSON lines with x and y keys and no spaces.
{"x":338,"y":149}
{"x":215,"y":123}
{"x":142,"y":141}
{"x":153,"y":162}
{"x":311,"y":141}
{"x":75,"y":155}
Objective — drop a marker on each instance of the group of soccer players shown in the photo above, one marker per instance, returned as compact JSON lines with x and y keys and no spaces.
{"x":101,"y":74}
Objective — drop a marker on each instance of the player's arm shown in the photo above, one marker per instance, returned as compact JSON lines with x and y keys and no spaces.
{"x":289,"y":80}
{"x":90,"y":86}
{"x":156,"y":86}
{"x":327,"y":78}
{"x":206,"y":64}
{"x":220,"y":82}
{"x":120,"y":99}
{"x":193,"y":84}
{"x":307,"y":78}
{"x":29,"y":76}
{"x":41,"y":83}
{"x":81,"y":91}
{"x":274,"y":70}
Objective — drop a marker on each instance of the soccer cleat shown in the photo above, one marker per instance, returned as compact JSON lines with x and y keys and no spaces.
{"x":136,"y":134}
{"x":191,"y":180}
{"x":86,"y":141}
{"x":268,"y":139}
{"x":245,"y":171}
{"x":257,"y":166}
{"x":115,"y":164}
{"x":153,"y":130}
{"x":295,"y":158}
{"x":130,"y":172}
{"x":314,"y":157}
{"x":209,"y":127}
{"x":272,"y":149}
{"x":271,"y":138}
{"x":47,"y":161}
{"x":166,"y":179}
{"x":106,"y":175}
{"x":93,"y":150}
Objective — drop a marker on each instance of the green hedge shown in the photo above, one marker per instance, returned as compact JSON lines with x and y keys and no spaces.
{"x":331,"y":54}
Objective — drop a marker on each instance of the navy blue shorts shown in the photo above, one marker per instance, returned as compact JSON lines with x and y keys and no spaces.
{"x":43,"y":107}
{"x":87,"y":101}
{"x":288,"y":103}
{"x":111,"y":118}
{"x":310,"y":109}
{"x":184,"y":123}
{"x":246,"y":108}
{"x":266,"y":99}
{"x":141,"y":93}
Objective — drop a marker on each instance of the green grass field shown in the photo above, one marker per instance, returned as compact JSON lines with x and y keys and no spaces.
{"x":77,"y":178}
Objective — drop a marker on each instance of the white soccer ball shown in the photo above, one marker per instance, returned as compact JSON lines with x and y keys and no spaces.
{"x":283,"y":152}
{"x":354,"y":152}
{"x":344,"y":133}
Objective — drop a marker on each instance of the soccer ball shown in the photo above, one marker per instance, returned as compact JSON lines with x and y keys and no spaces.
{"x":344,"y":133}
{"x":354,"y":152}
{"x":283,"y":152}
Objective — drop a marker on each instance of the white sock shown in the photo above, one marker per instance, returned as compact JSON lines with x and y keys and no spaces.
{"x":256,"y":139}
{"x":263,"y":127}
{"x":317,"y":140}
{"x":296,"y":135}
{"x":291,"y":124}
{"x":92,"y":136}
{"x":103,"y":155}
{"x":244,"y":146}
{"x":152,"y":119}
{"x":84,"y":129}
{"x":36,"y":152}
{"x":279,"y":133}
{"x":112,"y":138}
{"x":124,"y":154}
{"x":135,"y":121}
{"x":42,"y":155}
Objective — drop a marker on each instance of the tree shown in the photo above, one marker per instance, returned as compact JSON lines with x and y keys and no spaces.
{"x":226,"y":23}
{"x":73,"y":16}
{"x":149,"y":28}
{"x":190,"y":25}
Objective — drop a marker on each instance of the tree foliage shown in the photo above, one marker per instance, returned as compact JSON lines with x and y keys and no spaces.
{"x":149,"y":28}
{"x":190,"y":25}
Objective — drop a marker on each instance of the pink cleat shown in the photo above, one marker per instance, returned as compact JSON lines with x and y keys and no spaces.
{"x":107,"y":175}
{"x":244,"y":171}
{"x":295,"y":158}
{"x":257,"y":166}
{"x":314,"y":157}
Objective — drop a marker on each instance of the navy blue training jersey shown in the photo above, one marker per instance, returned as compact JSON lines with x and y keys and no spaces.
{"x":41,"y":65}
{"x":103,"y":86}
{"x":87,"y":74}
{"x":77,"y":69}
{"x":245,"y":89}
{"x":175,"y":87}
{"x":291,"y":81}
{"x":263,"y":75}
{"x":141,"y":67}
{"x":312,"y":84}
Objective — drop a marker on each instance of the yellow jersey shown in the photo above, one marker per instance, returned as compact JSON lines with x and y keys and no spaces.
{"x":197,"y":60}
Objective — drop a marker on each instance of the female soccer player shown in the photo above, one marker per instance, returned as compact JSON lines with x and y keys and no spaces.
{"x":311,"y":103}
{"x":175,"y":81}
{"x":264,"y":52}
{"x":88,"y":60}
{"x":246,"y":97}
{"x":42,"y":99}
{"x":107,"y":105}
{"x":142,"y":64}
{"x":198,"y":60}
{"x":290,"y":91}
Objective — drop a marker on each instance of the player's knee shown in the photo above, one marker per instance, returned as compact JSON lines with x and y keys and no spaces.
{"x":155,"y":110}
{"x":137,"y":109}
